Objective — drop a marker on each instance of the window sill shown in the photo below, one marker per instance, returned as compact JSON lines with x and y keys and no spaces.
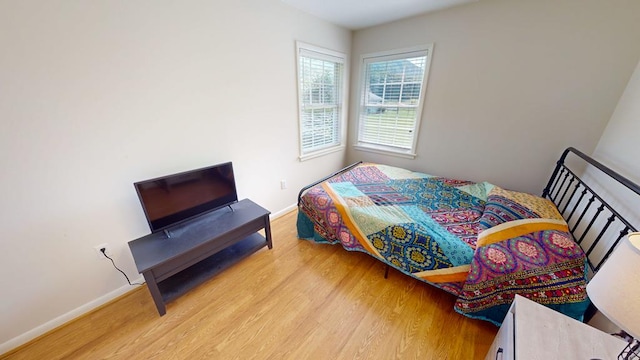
{"x":322,"y":152}
{"x":407,"y":154}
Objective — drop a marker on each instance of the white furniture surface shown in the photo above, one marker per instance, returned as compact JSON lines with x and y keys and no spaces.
{"x":533,"y":331}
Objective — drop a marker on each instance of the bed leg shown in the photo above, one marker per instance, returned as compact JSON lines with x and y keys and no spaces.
{"x":386,"y":271}
{"x":590,"y":313}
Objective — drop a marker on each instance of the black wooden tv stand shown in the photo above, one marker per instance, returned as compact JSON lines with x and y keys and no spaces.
{"x":199,"y":249}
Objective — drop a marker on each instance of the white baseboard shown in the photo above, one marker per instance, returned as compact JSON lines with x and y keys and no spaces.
{"x":283,"y":211}
{"x":65,"y":318}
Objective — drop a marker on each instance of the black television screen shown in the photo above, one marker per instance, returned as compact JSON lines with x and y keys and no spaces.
{"x":169,"y":200}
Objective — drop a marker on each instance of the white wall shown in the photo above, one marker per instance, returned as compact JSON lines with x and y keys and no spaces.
{"x":512,"y":83}
{"x":95,"y":95}
{"x":619,"y":149}
{"x":618,"y":146}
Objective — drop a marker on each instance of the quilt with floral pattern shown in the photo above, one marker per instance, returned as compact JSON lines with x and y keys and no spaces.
{"x":477,"y":241}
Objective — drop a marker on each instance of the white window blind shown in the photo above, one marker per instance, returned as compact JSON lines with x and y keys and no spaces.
{"x":321,"y":90}
{"x":391,"y":100}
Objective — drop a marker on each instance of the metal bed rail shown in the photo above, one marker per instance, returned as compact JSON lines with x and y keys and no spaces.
{"x":347,"y":168}
{"x":589,"y":207}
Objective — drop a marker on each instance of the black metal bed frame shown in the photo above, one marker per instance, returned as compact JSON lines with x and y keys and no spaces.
{"x":346,"y":168}
{"x":581,"y":200}
{"x":590,"y":206}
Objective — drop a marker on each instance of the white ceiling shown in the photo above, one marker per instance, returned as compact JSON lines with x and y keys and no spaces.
{"x":358,"y":14}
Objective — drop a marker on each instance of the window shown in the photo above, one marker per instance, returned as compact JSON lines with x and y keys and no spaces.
{"x":393,"y":87}
{"x":321,"y":99}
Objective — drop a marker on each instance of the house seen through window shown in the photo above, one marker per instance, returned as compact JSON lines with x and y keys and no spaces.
{"x":392,"y":94}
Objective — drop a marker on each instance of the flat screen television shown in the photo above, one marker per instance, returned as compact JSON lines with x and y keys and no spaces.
{"x":172,"y":199}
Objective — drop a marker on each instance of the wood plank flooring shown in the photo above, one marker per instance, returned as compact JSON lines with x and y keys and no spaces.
{"x":300,"y":300}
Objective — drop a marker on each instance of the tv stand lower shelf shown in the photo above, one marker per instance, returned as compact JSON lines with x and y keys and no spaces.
{"x":199,"y":249}
{"x":194,"y":275}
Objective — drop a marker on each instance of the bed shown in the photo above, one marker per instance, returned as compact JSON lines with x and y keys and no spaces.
{"x":480,"y":242}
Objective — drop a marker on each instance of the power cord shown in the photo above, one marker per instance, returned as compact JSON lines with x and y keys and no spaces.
{"x":104,"y":252}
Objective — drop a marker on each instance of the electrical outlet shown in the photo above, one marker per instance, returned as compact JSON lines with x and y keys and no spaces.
{"x":99,"y":248}
{"x":283,"y":184}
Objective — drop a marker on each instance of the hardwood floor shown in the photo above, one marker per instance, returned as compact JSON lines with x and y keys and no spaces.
{"x":300,"y":300}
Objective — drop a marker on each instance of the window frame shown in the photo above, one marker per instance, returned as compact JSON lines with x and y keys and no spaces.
{"x":311,"y":51}
{"x":384,"y":56}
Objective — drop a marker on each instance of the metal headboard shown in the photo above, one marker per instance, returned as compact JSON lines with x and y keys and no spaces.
{"x":590,"y":206}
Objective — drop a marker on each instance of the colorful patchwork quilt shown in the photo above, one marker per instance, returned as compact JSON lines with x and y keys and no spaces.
{"x":477,"y":241}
